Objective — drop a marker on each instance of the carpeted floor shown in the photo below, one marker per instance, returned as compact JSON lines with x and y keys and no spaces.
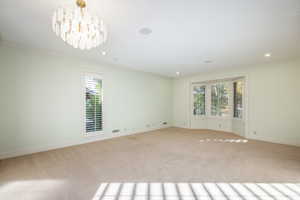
{"x":168,"y":155}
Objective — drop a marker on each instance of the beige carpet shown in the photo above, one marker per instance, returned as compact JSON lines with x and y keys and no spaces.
{"x":167,"y":155}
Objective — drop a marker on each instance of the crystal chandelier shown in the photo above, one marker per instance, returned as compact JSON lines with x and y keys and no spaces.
{"x":78,"y":27}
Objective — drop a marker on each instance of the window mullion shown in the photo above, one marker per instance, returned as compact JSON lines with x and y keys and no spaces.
{"x":95,"y":112}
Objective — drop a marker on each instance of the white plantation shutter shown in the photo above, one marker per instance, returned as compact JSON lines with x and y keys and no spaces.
{"x":93,"y":104}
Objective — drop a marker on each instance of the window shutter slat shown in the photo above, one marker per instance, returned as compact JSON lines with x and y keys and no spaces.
{"x":93,"y":104}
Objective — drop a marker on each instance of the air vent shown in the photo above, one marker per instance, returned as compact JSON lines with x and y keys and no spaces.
{"x":145,"y":31}
{"x":116,"y":131}
{"x":165,"y":123}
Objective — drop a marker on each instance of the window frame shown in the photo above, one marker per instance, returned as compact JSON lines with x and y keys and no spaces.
{"x":205,"y":100}
{"x":243,"y":99}
{"x":228,"y":84}
{"x":97,"y":76}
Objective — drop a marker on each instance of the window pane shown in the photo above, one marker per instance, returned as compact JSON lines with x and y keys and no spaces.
{"x":220,"y":100}
{"x":199,"y":100}
{"x":238,"y":99}
{"x":224,"y":100}
{"x":214,"y":100}
{"x":93,"y":101}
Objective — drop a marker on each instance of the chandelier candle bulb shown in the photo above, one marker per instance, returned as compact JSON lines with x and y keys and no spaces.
{"x":78,"y":27}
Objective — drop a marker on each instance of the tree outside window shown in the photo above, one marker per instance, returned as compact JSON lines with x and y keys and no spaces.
{"x":220,"y":100}
{"x":199,"y":100}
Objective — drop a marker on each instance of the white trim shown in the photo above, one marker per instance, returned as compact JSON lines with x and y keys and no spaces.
{"x":216,"y":79}
{"x":243,"y":98}
{"x":208,"y":86}
{"x":84,"y":140}
{"x":192,"y":99}
{"x":99,"y":76}
{"x":93,"y":134}
{"x":246,"y":105}
{"x":237,"y":119}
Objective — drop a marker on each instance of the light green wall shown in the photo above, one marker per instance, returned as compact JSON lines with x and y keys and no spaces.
{"x":273,"y":100}
{"x":42,"y":104}
{"x":42,"y":100}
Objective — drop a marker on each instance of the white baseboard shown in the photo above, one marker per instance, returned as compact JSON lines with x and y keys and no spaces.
{"x":36,"y":149}
{"x":291,"y":142}
{"x":287,"y":141}
{"x":85,"y":140}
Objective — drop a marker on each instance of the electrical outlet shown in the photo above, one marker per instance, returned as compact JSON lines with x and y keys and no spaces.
{"x":254,"y":133}
{"x":220,"y":125}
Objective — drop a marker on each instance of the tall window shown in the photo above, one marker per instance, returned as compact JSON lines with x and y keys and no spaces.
{"x":220,"y":100}
{"x":238,"y":99}
{"x":93,"y":104}
{"x":199,"y":100}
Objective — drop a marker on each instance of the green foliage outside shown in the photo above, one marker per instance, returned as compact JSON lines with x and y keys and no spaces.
{"x":219,"y":100}
{"x":199,"y":100}
{"x":94,"y":108}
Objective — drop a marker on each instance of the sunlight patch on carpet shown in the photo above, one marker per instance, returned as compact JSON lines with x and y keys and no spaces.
{"x":198,"y":191}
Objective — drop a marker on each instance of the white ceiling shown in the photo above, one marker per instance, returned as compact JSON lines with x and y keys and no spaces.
{"x":185,"y":33}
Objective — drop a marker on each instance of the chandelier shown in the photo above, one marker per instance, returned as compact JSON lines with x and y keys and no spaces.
{"x":78,"y":27}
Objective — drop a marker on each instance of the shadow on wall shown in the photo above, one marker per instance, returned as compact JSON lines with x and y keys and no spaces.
{"x":197,"y":191}
{"x":1,"y":39}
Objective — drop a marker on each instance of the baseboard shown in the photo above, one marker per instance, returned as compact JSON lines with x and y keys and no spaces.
{"x":85,"y":140}
{"x":289,"y":142}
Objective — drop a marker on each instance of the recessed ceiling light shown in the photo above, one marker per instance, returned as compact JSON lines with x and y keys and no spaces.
{"x":267,"y":55}
{"x":103,"y":53}
{"x":145,"y":31}
{"x":208,"y":61}
{"x":177,"y":73}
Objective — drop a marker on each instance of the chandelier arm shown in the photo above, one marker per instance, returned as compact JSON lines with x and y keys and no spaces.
{"x":78,"y":28}
{"x":81,"y":3}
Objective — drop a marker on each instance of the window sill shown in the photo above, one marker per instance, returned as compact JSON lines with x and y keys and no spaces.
{"x":238,"y":119}
{"x":93,"y":134}
{"x":218,"y":117}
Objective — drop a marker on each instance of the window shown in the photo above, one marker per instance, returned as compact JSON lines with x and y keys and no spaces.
{"x":93,"y":104}
{"x":220,"y":100}
{"x":199,"y":100}
{"x":238,"y":87}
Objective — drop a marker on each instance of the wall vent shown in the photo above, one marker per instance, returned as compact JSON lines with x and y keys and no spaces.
{"x":116,"y":131}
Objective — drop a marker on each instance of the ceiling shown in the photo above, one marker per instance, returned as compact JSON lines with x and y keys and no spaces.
{"x":184,"y":35}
